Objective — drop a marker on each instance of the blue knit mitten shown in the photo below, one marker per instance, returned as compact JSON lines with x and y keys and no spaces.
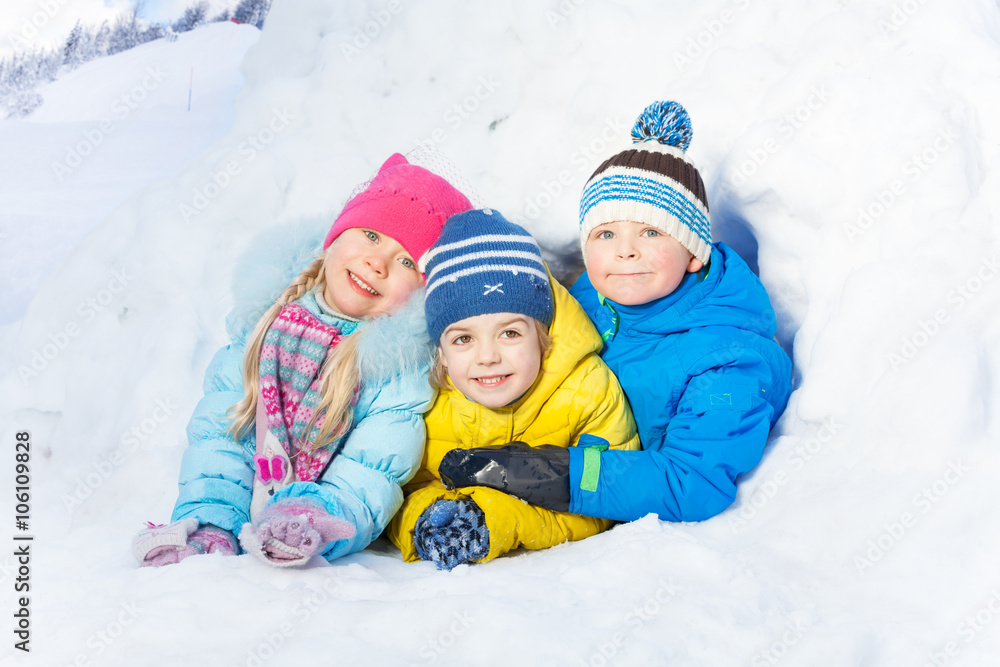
{"x":452,"y":532}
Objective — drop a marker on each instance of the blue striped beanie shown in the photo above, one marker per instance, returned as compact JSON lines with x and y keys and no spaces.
{"x":652,"y":183}
{"x":483,"y":264}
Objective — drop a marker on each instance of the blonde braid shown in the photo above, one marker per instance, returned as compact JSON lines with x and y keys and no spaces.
{"x":244,"y":412}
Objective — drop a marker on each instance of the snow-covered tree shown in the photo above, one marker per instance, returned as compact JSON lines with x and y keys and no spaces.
{"x":47,"y":65}
{"x":19,"y":75}
{"x":73,"y":49}
{"x":22,"y":72}
{"x":194,"y":16}
{"x":22,"y":103}
{"x":125,"y":33}
{"x":151,"y":31}
{"x":252,"y":11}
{"x":102,"y":39}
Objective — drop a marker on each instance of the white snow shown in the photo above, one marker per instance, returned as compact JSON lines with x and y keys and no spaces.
{"x":105,"y":131}
{"x":851,"y":145}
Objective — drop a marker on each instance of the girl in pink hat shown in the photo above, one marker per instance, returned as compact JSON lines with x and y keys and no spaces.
{"x":312,"y":419}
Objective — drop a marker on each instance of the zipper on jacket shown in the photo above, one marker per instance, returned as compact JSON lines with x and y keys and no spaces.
{"x":612,"y":331}
{"x":489,"y":423}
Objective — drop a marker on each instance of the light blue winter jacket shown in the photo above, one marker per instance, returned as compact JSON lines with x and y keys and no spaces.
{"x":381,"y":452}
{"x":705,"y":381}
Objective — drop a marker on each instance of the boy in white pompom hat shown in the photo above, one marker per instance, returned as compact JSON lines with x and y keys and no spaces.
{"x":688,"y":330}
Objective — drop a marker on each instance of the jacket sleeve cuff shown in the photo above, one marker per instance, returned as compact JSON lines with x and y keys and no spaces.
{"x":576,"y":495}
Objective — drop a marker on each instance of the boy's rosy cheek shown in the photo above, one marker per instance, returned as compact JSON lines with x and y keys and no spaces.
{"x":595,"y":261}
{"x":593,"y":257}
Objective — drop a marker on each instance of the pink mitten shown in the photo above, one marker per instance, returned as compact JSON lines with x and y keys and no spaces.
{"x":289,"y":532}
{"x":165,"y":545}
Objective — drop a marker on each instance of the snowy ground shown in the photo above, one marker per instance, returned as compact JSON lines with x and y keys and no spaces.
{"x":851,"y":146}
{"x":107,"y":130}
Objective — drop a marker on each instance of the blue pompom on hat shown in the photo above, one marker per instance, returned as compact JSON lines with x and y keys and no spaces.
{"x":484,"y":264}
{"x":653,"y":183}
{"x":665,"y":122}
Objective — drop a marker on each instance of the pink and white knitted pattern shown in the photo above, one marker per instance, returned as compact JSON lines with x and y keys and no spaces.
{"x":291,"y":358}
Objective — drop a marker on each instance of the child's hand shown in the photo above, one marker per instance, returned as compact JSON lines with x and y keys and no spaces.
{"x":452,"y":532}
{"x":291,"y":531}
{"x":538,"y":475}
{"x":166,"y":545}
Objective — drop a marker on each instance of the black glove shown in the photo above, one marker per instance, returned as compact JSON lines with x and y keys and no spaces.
{"x":537,"y":475}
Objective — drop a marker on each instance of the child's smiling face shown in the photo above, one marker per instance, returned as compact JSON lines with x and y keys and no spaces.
{"x":633,"y":263}
{"x":368,"y":274}
{"x":494,"y":358}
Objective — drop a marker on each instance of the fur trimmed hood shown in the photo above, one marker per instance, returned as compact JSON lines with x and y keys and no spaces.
{"x":267,"y":266}
{"x":396,"y":344}
{"x":389,"y":345}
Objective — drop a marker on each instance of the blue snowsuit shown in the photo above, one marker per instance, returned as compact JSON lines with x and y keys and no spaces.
{"x":381,"y":452}
{"x":705,"y":380}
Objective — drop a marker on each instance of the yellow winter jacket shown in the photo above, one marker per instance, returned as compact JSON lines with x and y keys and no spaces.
{"x":575,"y":393}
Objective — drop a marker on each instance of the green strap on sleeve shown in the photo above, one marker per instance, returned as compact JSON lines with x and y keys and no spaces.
{"x":591,"y":467}
{"x":611,"y":331}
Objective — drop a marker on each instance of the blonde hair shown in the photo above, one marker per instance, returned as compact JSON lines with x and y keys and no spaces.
{"x":339,"y":376}
{"x":439,"y":374}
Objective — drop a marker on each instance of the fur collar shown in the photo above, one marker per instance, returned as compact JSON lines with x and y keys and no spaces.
{"x":389,"y":345}
{"x":396,"y":344}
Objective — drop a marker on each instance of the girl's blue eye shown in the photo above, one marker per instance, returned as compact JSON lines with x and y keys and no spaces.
{"x":408,"y":263}
{"x":651,"y":233}
{"x":372,"y":236}
{"x":606,"y":235}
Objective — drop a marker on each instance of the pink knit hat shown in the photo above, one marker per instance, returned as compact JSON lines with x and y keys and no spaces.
{"x":404,"y":201}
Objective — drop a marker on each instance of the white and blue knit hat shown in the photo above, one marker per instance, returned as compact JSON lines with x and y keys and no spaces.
{"x":653,"y":183}
{"x":484,"y":264}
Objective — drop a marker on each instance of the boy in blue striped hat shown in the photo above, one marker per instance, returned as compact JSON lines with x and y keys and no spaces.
{"x":518,"y":360}
{"x":688,"y":330}
{"x":484,"y":275}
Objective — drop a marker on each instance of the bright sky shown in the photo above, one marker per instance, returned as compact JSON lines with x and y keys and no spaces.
{"x":33,"y":23}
